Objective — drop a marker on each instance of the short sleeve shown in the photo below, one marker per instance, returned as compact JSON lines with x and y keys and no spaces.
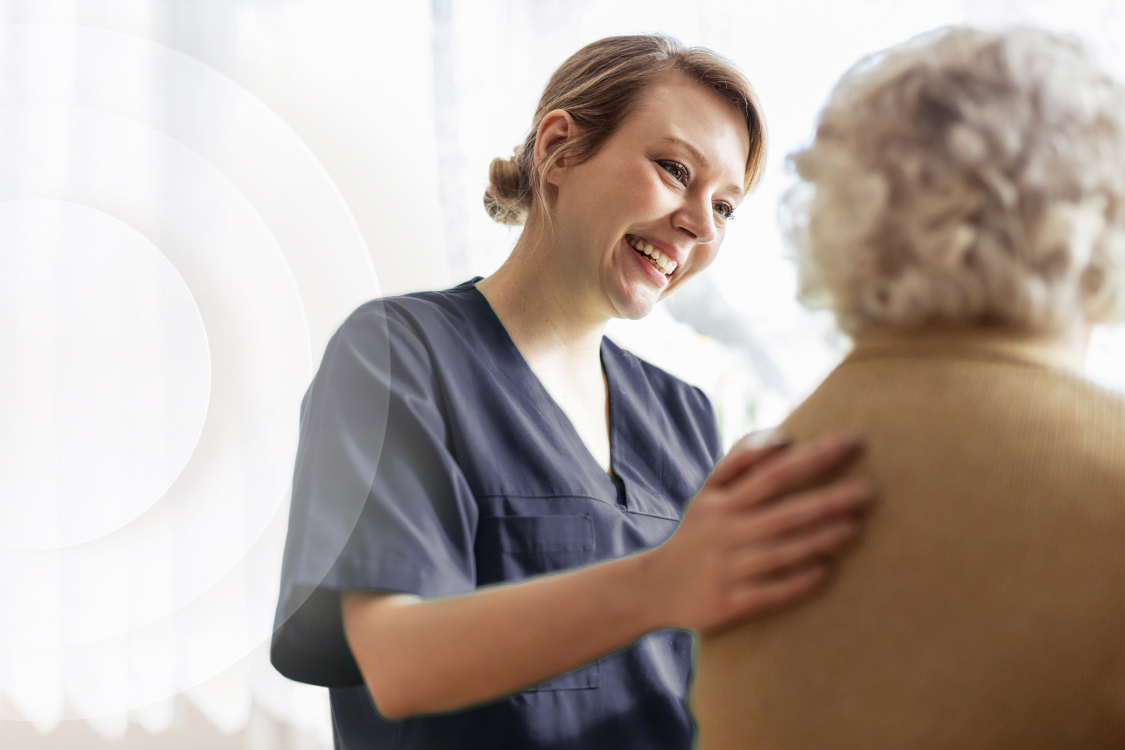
{"x":379,"y":503}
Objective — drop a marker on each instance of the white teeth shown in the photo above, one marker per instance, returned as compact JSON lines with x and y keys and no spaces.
{"x":660,"y":261}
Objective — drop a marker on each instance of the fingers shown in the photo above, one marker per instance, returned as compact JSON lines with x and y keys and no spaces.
{"x":797,"y":551}
{"x":769,"y":529}
{"x":740,"y":459}
{"x":786,"y":548}
{"x":792,"y":469}
{"x":807,"y":509}
{"x":763,"y":596}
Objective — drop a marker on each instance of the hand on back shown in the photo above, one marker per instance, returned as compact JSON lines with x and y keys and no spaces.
{"x":762,"y":533}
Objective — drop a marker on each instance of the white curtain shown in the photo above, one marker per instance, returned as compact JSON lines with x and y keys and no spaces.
{"x":194,"y":195}
{"x":173,"y":259}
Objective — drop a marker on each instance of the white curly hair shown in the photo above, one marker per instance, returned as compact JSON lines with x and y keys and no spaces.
{"x":966,"y":177}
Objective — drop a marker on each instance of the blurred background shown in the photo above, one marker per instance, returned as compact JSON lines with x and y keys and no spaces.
{"x":193,"y":195}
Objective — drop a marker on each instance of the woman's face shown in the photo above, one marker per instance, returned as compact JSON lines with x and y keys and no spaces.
{"x":663,"y":185}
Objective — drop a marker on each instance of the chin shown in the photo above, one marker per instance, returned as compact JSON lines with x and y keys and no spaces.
{"x":635,"y":305}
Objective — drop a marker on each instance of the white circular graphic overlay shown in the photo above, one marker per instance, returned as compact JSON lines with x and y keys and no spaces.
{"x":173,"y":260}
{"x":107,"y":374}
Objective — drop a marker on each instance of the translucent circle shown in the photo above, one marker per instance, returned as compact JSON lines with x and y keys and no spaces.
{"x":107,"y":374}
{"x":192,"y":163}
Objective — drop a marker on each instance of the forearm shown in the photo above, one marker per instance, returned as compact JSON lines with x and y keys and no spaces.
{"x":445,"y":654}
{"x":743,"y":548}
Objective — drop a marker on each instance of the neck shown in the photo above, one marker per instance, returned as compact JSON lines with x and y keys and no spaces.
{"x":1064,"y":349}
{"x":547,"y":312}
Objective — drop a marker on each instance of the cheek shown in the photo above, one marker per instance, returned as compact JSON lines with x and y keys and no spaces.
{"x":638,"y":188}
{"x":601,"y":194}
{"x":701,"y":257}
{"x":704,"y":255}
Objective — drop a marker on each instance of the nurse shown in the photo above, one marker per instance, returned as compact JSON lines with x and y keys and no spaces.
{"x":491,"y":543}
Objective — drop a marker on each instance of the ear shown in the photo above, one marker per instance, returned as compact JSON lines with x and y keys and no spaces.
{"x":556,"y":127}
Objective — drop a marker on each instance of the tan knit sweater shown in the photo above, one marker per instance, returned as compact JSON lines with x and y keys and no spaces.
{"x":985,"y":607}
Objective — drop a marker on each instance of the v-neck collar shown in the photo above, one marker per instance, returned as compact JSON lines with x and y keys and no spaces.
{"x":515,"y":368}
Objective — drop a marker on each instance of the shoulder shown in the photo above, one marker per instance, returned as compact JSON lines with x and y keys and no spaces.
{"x":419,"y":322}
{"x":418,"y":312}
{"x":397,"y":340}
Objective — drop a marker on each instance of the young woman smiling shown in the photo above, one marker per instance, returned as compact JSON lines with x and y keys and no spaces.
{"x":526,"y":561}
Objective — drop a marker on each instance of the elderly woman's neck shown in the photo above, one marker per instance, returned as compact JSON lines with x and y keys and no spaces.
{"x":545,"y":309}
{"x":1064,"y":349}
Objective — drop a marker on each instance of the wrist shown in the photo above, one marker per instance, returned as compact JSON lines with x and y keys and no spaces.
{"x":645,"y":587}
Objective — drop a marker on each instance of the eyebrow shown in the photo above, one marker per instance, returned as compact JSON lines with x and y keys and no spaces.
{"x":699,"y":157}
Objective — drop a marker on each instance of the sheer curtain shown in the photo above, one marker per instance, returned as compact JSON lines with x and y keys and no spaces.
{"x":194,"y":195}
{"x":174,"y":254}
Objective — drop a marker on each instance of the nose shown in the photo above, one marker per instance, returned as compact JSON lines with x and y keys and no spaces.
{"x":697,"y":218}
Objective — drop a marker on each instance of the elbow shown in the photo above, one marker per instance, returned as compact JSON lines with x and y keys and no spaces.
{"x":390,"y":705}
{"x":391,"y":700}
{"x":392,"y":682}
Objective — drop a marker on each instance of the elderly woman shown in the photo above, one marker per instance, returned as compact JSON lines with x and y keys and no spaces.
{"x":962,"y":212}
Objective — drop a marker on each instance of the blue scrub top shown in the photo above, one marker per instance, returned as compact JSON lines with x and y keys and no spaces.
{"x":478,"y":478}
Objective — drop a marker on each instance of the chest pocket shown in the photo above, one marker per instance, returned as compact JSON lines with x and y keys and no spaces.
{"x":511,"y":548}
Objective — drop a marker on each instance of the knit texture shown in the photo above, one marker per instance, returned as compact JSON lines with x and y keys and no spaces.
{"x":985,"y":605}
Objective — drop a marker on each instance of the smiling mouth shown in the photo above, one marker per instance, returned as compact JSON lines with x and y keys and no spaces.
{"x":659,"y":261}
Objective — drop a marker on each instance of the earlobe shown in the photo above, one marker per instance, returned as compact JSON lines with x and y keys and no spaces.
{"x":556,"y":127}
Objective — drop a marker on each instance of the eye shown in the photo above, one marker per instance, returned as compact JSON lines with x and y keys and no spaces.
{"x":725,"y":210}
{"x":678,"y":171}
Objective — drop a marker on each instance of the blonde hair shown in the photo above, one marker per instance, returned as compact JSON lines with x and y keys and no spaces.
{"x":599,"y":86}
{"x":966,"y":177}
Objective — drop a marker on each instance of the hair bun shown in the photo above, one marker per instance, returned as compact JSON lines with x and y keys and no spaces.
{"x":508,"y":196}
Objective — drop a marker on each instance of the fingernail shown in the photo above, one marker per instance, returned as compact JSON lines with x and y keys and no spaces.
{"x":773,"y":438}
